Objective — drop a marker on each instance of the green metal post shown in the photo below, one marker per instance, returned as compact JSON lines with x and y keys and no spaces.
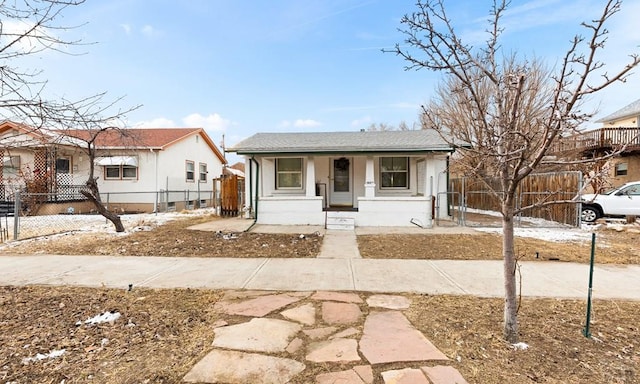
{"x":587,"y":332}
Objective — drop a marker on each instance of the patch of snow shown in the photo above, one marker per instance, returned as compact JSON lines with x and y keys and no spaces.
{"x":107,"y":317}
{"x":40,"y":356}
{"x":520,"y":346}
{"x":552,"y":231}
{"x":548,"y":234}
{"x":93,"y":223}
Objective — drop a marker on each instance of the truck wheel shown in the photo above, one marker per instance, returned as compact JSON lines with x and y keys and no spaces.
{"x":590,"y":214}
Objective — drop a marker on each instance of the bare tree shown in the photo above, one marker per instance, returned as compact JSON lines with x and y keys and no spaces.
{"x":83,"y":126}
{"x":28,"y":28}
{"x":380,"y":127}
{"x":402,"y":126}
{"x":509,"y":109}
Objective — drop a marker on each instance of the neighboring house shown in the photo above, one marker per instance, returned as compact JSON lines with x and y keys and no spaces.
{"x":131,"y":166}
{"x":620,"y":131}
{"x":623,"y":127}
{"x":346,"y":179}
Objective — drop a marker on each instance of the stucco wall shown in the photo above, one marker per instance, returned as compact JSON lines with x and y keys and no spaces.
{"x":633,"y":170}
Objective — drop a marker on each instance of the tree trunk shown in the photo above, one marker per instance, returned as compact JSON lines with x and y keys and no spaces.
{"x":94,"y":196}
{"x":510,"y":331}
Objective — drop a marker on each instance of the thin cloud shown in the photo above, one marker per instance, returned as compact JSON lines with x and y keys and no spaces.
{"x":126,"y":28}
{"x":299,"y":123}
{"x":350,"y":108}
{"x":150,"y":31}
{"x":361,"y":121}
{"x":159,"y":122}
{"x":211,"y":122}
{"x":404,"y":105}
{"x":315,"y":20}
{"x":26,"y":34}
{"x":307,"y":123}
{"x":530,"y":15}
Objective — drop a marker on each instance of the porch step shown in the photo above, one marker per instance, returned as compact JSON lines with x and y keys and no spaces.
{"x":340,"y":221}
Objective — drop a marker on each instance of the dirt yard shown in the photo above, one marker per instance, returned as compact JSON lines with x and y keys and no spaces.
{"x":613,"y":247}
{"x":161,"y":334}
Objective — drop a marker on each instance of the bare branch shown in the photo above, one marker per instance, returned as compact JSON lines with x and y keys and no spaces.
{"x":510,"y":111}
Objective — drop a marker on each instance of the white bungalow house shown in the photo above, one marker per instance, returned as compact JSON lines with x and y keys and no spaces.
{"x":136,"y":169}
{"x":346,"y":179}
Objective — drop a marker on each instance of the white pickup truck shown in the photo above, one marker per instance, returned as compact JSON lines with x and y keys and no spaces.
{"x":621,"y":201}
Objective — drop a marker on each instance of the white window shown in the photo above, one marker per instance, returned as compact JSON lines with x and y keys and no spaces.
{"x":621,"y":169}
{"x":289,"y":173}
{"x":203,"y":173}
{"x":190,"y":167}
{"x":120,"y":172}
{"x":394,"y":172}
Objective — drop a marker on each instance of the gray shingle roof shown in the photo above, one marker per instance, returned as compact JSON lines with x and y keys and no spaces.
{"x":342,"y":142}
{"x":632,"y":109}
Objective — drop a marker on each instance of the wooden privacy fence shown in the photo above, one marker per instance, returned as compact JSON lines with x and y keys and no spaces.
{"x":535,"y":189}
{"x":230,"y":192}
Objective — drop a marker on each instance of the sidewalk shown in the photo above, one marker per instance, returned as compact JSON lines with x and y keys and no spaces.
{"x":479,"y":278}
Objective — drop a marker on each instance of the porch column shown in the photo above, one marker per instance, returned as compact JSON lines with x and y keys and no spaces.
{"x":369,"y":180}
{"x":311,"y":177}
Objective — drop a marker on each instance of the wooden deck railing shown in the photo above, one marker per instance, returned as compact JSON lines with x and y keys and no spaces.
{"x":599,"y":138}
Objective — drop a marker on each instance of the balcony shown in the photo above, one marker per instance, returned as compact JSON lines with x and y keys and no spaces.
{"x":599,"y":140}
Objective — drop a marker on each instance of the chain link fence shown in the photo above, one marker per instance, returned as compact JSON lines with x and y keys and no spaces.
{"x":30,"y":215}
{"x":545,"y":200}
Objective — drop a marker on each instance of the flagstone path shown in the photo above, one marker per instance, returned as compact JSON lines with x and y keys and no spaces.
{"x":271,"y":338}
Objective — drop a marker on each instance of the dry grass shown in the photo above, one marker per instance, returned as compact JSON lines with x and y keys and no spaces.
{"x":173,"y":239}
{"x":612,"y":247}
{"x":174,"y":329}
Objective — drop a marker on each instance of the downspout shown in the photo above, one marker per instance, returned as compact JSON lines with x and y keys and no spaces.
{"x":255,"y":214}
{"x":157,"y":185}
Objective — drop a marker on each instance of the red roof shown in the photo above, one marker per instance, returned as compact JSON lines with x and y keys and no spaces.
{"x":125,"y":138}
{"x":142,"y":138}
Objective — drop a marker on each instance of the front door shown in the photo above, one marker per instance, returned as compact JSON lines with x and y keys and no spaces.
{"x":341,"y":182}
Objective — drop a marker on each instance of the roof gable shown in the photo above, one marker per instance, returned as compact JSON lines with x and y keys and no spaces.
{"x":630,"y":110}
{"x":125,"y":138}
{"x":342,"y":142}
{"x":143,"y":138}
{"x":22,"y":129}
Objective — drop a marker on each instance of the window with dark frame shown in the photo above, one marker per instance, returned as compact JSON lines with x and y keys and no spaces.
{"x":190,"y":167}
{"x":63,"y":165}
{"x":394,"y":172}
{"x":289,"y":173}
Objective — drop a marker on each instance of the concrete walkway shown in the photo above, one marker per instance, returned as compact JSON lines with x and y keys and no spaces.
{"x":480,"y":278}
{"x":339,"y":244}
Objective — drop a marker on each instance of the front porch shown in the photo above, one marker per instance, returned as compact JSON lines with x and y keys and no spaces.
{"x":371,"y":211}
{"x":350,"y":191}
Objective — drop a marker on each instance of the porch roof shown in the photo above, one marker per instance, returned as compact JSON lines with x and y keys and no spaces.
{"x":343,"y":142}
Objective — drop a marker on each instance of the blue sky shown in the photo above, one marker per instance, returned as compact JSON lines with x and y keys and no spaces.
{"x":239,"y":67}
